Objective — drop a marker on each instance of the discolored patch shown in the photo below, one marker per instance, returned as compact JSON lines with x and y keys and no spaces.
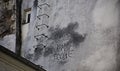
{"x":60,"y":43}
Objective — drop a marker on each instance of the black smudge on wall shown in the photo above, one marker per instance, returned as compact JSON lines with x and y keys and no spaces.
{"x":58,"y":33}
{"x":61,"y":40}
{"x":38,"y":51}
{"x":48,"y":51}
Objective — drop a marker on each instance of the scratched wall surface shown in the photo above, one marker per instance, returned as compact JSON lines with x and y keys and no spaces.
{"x":74,"y":35}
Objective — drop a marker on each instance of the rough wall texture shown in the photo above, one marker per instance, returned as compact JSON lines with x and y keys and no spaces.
{"x":9,"y":42}
{"x":7,"y":24}
{"x":74,"y":35}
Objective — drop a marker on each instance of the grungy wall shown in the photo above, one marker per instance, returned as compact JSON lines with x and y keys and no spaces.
{"x":7,"y":24}
{"x":74,"y":35}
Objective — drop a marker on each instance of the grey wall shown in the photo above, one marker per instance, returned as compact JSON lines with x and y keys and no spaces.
{"x":8,"y":26}
{"x":82,"y":35}
{"x":8,"y":42}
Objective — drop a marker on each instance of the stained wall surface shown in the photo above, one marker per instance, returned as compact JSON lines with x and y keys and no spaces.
{"x":74,"y":35}
{"x":7,"y":24}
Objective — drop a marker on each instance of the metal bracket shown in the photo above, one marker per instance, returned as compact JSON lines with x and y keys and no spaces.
{"x":43,"y":5}
{"x":42,"y":15}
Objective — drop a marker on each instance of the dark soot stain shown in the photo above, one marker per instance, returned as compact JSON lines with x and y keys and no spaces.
{"x":56,"y":35}
{"x":76,"y":38}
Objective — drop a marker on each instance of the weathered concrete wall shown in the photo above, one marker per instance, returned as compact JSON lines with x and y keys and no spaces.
{"x":81,"y":35}
{"x":7,"y":24}
{"x":9,"y":42}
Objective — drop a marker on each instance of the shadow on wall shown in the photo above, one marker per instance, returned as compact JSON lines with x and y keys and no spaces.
{"x":60,"y":43}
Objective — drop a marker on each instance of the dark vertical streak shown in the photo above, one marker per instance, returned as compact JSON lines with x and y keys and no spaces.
{"x":118,"y":47}
{"x":18,"y":27}
{"x":35,"y":3}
